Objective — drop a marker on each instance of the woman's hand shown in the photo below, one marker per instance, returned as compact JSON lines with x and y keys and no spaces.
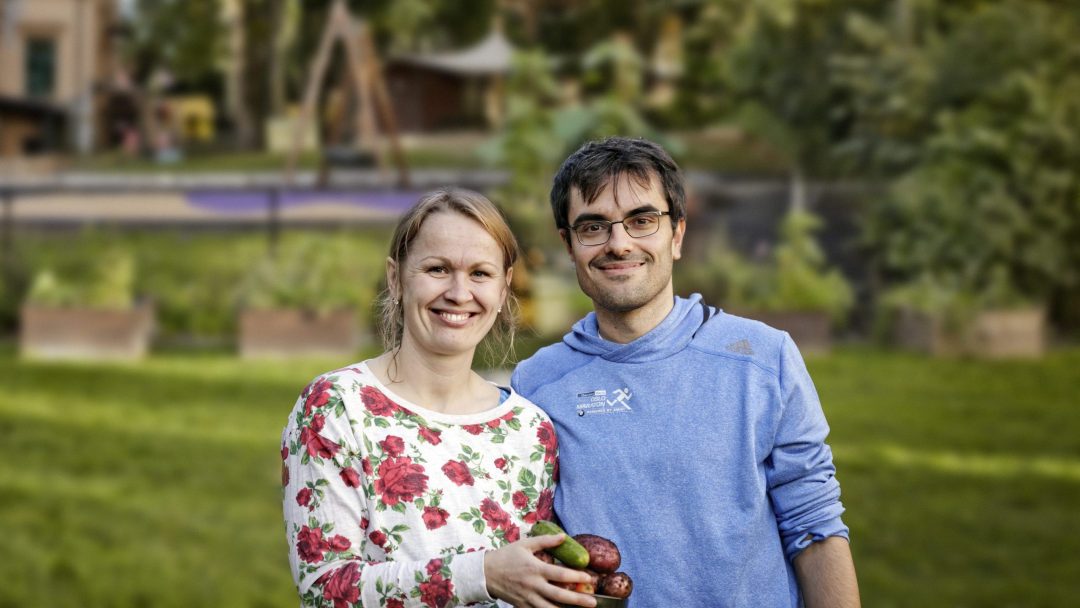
{"x":517,"y":576}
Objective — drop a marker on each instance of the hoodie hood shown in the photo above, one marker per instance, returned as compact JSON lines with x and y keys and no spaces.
{"x":669,"y":337}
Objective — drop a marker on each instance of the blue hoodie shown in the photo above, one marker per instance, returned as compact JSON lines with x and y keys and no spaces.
{"x":699,"y":448}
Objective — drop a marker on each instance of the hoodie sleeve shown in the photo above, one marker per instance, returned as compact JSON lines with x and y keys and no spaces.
{"x":799,"y":470}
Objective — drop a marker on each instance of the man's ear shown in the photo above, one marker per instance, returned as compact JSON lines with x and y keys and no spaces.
{"x":392,"y":278}
{"x":677,"y":239}
{"x":565,"y":235}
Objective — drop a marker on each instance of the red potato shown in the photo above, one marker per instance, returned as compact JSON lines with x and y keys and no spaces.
{"x":617,"y":584}
{"x":604,"y":556}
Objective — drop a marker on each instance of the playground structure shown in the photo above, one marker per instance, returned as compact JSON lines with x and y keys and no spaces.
{"x":369,"y":96}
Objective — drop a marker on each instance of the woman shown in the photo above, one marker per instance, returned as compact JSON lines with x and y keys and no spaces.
{"x":409,"y":480}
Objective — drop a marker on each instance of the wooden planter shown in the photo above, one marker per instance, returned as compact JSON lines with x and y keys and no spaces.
{"x":992,"y":334}
{"x":1004,"y":334}
{"x":83,"y":333}
{"x":287,"y":333}
{"x":926,"y":334}
{"x":810,"y":330}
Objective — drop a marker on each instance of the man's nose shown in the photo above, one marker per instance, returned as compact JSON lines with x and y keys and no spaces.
{"x":620,"y":240}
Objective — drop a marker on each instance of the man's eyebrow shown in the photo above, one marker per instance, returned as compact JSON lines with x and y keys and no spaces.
{"x":592,"y":217}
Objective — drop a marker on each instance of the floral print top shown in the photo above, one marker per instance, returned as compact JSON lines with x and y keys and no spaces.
{"x":389,"y":504}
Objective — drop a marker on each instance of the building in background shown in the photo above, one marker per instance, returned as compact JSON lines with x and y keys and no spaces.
{"x":451,"y":90}
{"x":56,"y":61}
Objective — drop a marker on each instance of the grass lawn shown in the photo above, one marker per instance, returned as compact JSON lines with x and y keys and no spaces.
{"x":157,"y":484}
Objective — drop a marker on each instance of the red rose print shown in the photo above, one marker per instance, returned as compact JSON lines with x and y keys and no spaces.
{"x":303,"y":497}
{"x":400,"y":480}
{"x":508,"y":416}
{"x":520,"y":500}
{"x":378,"y":537}
{"x":339,"y":543}
{"x":512,"y":534}
{"x":546,"y":434}
{"x":433,"y":566}
{"x":530,"y":517}
{"x":436,"y":592}
{"x":432,"y":436}
{"x":318,"y":395}
{"x":544,"y":504}
{"x":364,"y":523}
{"x":376,"y":402}
{"x":284,"y":474}
{"x":343,"y":586}
{"x":310,"y":544}
{"x":284,"y":452}
{"x":500,"y":463}
{"x":473,"y":429}
{"x":392,"y":445}
{"x":493,"y":424}
{"x":317,"y":445}
{"x":494,"y":515}
{"x":434,"y":517}
{"x":317,"y":422}
{"x":365,"y":465}
{"x":350,"y":477}
{"x":394,"y":603}
{"x":458,"y":472}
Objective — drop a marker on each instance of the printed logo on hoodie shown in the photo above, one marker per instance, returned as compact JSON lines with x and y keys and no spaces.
{"x":600,"y":402}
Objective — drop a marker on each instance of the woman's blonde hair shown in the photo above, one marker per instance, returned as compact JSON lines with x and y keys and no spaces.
{"x":478,"y":208}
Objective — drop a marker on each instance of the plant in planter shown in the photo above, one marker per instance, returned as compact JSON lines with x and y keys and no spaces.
{"x":933,"y":316}
{"x":795,"y":292}
{"x":312,"y":298}
{"x":800,"y":294}
{"x":86,"y":310}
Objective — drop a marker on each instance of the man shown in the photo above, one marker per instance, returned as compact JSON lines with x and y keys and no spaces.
{"x":692,"y":438}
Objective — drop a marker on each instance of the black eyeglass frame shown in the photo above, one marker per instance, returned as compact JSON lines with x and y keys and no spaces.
{"x":610,"y":226}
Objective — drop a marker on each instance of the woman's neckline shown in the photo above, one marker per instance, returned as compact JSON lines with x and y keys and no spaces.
{"x":461,"y":419}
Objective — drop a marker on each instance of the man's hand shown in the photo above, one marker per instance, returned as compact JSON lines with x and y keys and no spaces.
{"x":826,"y":575}
{"x":517,"y":576}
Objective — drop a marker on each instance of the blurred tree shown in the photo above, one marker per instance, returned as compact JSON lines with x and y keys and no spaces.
{"x":530,"y":148}
{"x":992,"y":207}
{"x":779,"y":68}
{"x":185,"y":37}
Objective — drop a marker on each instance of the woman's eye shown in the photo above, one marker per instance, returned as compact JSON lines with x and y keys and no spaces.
{"x":481,"y":273}
{"x":437,"y":269}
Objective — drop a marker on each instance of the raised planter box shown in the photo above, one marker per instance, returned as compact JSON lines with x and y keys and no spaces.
{"x":993,"y":334}
{"x":89,"y":334}
{"x":811,"y":330}
{"x":289,"y":333}
{"x":926,"y":334}
{"x":1005,"y":334}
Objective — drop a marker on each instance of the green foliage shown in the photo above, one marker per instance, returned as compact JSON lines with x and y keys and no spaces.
{"x":803,"y":282}
{"x":530,"y":148}
{"x":796,"y":278}
{"x":158,"y":483}
{"x":316,"y":272}
{"x":992,"y":210}
{"x":196,"y":282}
{"x":105,"y":281}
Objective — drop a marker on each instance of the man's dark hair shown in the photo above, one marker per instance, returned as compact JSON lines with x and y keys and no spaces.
{"x":598,"y":164}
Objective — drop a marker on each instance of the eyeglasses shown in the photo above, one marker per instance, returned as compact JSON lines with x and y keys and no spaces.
{"x":638,"y":225}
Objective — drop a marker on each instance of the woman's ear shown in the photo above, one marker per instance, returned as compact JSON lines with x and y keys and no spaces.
{"x":392,"y":278}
